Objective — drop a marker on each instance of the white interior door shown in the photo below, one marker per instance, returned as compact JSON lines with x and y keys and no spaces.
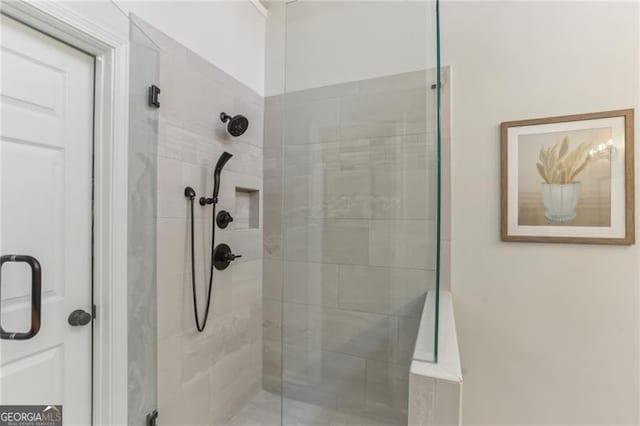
{"x":46,"y":133}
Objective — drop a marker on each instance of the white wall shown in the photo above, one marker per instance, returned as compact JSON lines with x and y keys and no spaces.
{"x":548,"y":332}
{"x":229,"y":34}
{"x":275,"y":49}
{"x":102,"y":12}
{"x":350,"y":41}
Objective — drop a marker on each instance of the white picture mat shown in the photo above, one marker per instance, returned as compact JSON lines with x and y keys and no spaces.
{"x":617,"y":227}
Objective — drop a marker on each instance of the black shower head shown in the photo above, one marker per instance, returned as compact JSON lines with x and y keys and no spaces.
{"x":237,"y":124}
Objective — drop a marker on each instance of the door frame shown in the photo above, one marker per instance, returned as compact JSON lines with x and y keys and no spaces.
{"x":110,"y":157}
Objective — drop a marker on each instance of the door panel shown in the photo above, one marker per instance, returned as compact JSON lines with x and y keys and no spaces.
{"x":46,"y":134}
{"x":48,"y":363}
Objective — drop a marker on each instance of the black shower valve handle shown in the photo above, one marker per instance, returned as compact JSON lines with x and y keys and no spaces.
{"x":231,"y":257}
{"x":223,"y":219}
{"x":223,"y":256}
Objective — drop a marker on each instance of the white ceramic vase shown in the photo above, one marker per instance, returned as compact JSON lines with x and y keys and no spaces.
{"x":560,"y":200}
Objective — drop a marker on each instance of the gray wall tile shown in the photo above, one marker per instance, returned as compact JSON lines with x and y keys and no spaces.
{"x":272,"y":365}
{"x":398,"y":82}
{"x":272,"y":279}
{"x":366,"y":335}
{"x":350,"y":226}
{"x":402,"y":243}
{"x":205,"y":378}
{"x":311,"y":283}
{"x":391,"y":291}
{"x":385,"y":113}
{"x":311,"y":122}
{"x":272,"y":319}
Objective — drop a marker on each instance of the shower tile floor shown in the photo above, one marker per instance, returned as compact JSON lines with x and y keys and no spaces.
{"x":264,"y":410}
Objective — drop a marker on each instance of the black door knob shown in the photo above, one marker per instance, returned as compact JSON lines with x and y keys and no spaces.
{"x":223,"y":256}
{"x":79,"y":317}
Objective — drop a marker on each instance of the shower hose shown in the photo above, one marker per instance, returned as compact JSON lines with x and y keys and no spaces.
{"x":199,"y":326}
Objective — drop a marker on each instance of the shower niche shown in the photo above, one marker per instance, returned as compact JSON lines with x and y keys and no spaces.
{"x":247,"y":208}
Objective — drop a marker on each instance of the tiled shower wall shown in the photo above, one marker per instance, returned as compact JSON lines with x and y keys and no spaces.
{"x":204,"y":378}
{"x":349,"y":241}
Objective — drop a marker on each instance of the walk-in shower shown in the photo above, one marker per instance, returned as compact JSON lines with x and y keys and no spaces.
{"x":331,"y":196}
{"x":351,"y":247}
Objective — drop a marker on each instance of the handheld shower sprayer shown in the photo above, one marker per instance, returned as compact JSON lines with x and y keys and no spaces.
{"x":190,"y":194}
{"x":216,"y":179}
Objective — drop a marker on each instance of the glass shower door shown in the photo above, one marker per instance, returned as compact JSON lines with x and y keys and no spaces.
{"x":141,"y":269}
{"x":355,"y":208}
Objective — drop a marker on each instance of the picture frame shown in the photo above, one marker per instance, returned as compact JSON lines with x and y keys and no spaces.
{"x":569,"y":179}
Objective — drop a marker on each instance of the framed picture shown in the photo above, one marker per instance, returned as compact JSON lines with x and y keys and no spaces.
{"x":569,"y":179}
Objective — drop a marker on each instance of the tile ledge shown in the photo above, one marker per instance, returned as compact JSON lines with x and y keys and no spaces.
{"x":448,"y":365}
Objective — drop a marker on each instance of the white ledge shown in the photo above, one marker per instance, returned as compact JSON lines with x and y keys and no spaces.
{"x":447,"y":366}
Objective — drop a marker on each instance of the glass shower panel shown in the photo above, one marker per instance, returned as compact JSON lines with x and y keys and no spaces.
{"x":359,"y":207}
{"x":141,"y":269}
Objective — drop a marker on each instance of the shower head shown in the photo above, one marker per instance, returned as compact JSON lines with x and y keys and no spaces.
{"x":237,"y":124}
